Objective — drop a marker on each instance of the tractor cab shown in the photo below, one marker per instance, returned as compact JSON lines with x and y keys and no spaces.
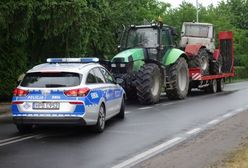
{"x":147,"y":62}
{"x":155,"y":39}
{"x":198,"y":33}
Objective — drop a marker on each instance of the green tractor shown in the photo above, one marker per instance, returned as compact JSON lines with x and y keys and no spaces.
{"x":148,"y":64}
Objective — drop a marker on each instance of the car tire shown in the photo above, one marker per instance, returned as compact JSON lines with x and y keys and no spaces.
{"x":100,"y":125}
{"x":23,"y":128}
{"x":121,"y":114}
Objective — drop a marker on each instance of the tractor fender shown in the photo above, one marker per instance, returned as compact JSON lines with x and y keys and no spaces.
{"x":216,"y":54}
{"x":193,"y":49}
{"x":172,"y":55}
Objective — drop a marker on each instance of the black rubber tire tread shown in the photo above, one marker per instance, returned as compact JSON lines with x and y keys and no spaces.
{"x":210,"y":88}
{"x":175,"y":93}
{"x":131,"y":94}
{"x":203,"y":53}
{"x":121,"y":114}
{"x":23,"y":128}
{"x":190,"y":88}
{"x":216,"y":66}
{"x":194,"y":62}
{"x":219,"y":87}
{"x":144,"y":80}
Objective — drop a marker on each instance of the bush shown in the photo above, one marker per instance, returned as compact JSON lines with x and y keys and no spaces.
{"x":244,"y":61}
{"x":241,"y":72}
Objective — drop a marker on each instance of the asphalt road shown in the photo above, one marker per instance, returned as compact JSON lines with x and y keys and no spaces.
{"x":143,"y":128}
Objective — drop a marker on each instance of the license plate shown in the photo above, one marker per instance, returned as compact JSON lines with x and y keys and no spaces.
{"x":46,"y":105}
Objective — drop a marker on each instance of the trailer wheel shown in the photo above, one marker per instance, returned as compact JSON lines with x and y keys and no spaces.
{"x":220,"y":84}
{"x":148,"y":84}
{"x":212,"y":88}
{"x":179,"y":79}
{"x":204,"y":61}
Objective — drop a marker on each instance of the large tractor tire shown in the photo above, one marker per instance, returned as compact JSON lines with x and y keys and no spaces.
{"x":148,"y":84}
{"x":204,"y":61}
{"x":217,"y":66}
{"x":179,"y":79}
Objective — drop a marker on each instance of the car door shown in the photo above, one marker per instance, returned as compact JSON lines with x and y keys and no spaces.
{"x":114,"y":94}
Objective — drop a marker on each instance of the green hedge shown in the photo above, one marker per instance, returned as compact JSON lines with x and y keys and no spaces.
{"x":241,"y":72}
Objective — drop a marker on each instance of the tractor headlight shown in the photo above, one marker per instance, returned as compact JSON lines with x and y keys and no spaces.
{"x":122,"y":65}
{"x":113,"y":65}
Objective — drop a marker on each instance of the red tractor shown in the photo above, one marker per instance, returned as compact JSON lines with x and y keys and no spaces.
{"x":208,"y":66}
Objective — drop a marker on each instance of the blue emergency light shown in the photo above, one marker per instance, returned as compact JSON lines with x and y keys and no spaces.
{"x":72,"y":60}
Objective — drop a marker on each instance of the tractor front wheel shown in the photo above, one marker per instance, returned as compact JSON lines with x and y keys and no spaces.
{"x":178,"y":79}
{"x":148,"y":84}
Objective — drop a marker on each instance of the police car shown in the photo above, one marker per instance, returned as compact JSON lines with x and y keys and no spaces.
{"x":67,"y":91}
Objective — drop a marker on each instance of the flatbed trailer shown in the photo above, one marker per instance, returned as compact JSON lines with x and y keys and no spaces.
{"x":215,"y":82}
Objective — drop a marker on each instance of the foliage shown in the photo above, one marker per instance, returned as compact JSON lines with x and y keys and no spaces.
{"x":241,"y":72}
{"x":31,"y":31}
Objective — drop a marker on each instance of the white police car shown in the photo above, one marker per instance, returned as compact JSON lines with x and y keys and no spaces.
{"x":67,"y":91}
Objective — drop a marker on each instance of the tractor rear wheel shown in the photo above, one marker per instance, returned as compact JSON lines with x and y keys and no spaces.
{"x":179,"y":79}
{"x":148,"y":84}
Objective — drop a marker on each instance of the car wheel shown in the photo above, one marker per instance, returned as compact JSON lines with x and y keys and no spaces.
{"x":121,"y":114}
{"x":100,"y":125}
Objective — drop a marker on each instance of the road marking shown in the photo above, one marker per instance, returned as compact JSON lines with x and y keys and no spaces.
{"x":127,"y":112}
{"x":239,"y":110}
{"x":145,"y":108}
{"x":213,"y":122}
{"x":9,"y":139}
{"x":167,"y":104}
{"x":228,"y":115}
{"x":147,"y":154}
{"x":193,"y":131}
{"x":17,"y":140}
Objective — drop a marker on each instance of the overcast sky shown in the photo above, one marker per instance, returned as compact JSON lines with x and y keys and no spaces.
{"x":175,"y":3}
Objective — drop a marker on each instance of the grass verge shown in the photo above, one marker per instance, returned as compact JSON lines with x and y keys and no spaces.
{"x":236,"y":159}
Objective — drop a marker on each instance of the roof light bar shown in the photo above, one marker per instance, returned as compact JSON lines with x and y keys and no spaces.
{"x":72,"y":60}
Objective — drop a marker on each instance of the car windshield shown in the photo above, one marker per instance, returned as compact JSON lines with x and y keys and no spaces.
{"x":51,"y":79}
{"x":142,"y":37}
{"x":196,"y":30}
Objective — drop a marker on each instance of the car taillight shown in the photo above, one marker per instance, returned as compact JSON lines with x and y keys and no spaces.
{"x":20,"y":92}
{"x":17,"y":102}
{"x":77,"y":92}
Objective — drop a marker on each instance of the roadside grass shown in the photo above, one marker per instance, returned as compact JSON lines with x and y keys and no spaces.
{"x":236,"y":159}
{"x":235,"y":80}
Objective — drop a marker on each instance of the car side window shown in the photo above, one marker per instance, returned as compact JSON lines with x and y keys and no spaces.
{"x":108,"y":77}
{"x":99,"y":76}
{"x":91,"y":78}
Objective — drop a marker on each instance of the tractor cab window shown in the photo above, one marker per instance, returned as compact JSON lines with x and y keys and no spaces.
{"x":196,"y":30}
{"x":142,"y":37}
{"x":166,"y":38}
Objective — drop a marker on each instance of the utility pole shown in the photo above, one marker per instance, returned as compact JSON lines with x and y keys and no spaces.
{"x":197,"y":11}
